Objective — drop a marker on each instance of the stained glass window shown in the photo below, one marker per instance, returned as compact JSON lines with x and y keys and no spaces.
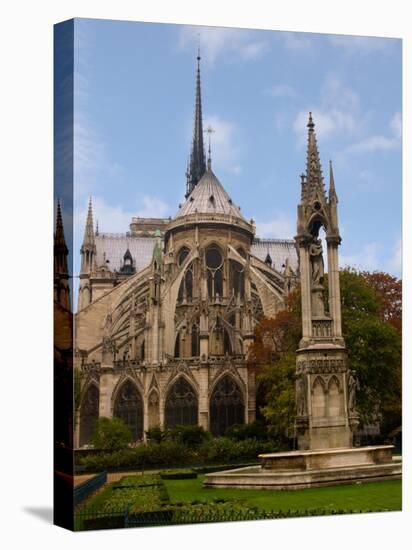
{"x":129,"y":407}
{"x":89,"y":413}
{"x":181,"y":404}
{"x":226,"y":406}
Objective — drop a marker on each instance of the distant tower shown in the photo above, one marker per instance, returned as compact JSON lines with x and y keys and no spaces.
{"x":197,"y":164}
{"x":88,"y":260}
{"x":61,"y":272}
{"x":324,"y":385}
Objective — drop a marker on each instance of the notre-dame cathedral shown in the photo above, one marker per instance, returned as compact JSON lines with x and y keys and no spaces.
{"x":167,"y":310}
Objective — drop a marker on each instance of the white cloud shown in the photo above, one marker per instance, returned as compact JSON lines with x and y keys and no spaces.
{"x":334,"y":93}
{"x":281,"y":227}
{"x":282,"y":90}
{"x":296,"y":42}
{"x":372,"y":257}
{"x":153,"y":207}
{"x":116,"y":219}
{"x":366,"y":259}
{"x":372,"y":144}
{"x":396,"y":125}
{"x":215,"y":42}
{"x":363,"y":45}
{"x":328,"y":122}
{"x":337,"y":113}
{"x":376,"y":143}
{"x":225,"y":151}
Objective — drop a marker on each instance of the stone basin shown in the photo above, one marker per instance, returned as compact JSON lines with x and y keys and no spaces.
{"x":304,"y":469}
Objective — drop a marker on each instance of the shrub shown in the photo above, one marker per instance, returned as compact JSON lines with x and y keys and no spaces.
{"x":155,"y":434}
{"x":192,"y":436}
{"x":111,"y":434}
{"x":240,"y":432}
{"x":224,"y":450}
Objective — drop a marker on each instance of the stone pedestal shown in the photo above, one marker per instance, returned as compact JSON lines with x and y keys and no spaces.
{"x":304,"y":469}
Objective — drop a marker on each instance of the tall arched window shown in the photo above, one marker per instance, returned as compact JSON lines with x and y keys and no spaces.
{"x":214,"y":264}
{"x":177,"y":345}
{"x":226,"y":406}
{"x":185,"y":293}
{"x":129,"y":407}
{"x":181,"y":404}
{"x":89,"y":413}
{"x":237,"y":278}
{"x":195,"y":341}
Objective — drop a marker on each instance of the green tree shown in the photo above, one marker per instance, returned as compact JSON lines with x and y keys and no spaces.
{"x":374,"y":348}
{"x":111,"y":434}
{"x":280,"y":408}
{"x":372,"y":334}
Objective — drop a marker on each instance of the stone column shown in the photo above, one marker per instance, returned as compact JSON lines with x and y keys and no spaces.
{"x":334,"y":286}
{"x":305,"y":291}
{"x":203,"y":381}
{"x":106,"y":390}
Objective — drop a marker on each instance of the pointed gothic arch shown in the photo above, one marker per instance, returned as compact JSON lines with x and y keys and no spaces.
{"x":226,"y":406}
{"x":335,"y":397}
{"x":153,"y":408}
{"x":319,"y":398}
{"x":89,"y":414}
{"x":128,"y":405}
{"x":182,"y":404}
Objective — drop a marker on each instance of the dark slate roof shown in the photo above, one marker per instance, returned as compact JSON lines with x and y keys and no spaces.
{"x":278,"y":250}
{"x":209,"y":197}
{"x":115,"y":246}
{"x":141,"y":248}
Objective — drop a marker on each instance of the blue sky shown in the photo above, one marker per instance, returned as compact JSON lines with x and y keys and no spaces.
{"x":134,"y":99}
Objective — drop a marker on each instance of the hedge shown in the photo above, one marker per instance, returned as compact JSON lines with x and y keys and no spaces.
{"x":220,"y":450}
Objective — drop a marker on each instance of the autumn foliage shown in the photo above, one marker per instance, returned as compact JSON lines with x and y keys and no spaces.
{"x":371,"y":323}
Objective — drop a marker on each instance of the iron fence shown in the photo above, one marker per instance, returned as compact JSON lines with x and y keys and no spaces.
{"x":85,"y":489}
{"x":92,"y":520}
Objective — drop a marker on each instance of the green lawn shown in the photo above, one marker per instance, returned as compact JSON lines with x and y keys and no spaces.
{"x":385,"y":495}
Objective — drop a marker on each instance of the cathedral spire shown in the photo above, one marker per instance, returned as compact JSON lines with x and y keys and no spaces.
{"x":314,"y":185}
{"x":88,"y":239}
{"x":332,"y":191}
{"x":60,"y":249}
{"x":88,"y":249}
{"x":197,"y":165}
{"x":61,"y":270}
{"x":59,"y":231}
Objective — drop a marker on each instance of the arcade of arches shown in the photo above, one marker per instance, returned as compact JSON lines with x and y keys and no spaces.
{"x":226,"y":407}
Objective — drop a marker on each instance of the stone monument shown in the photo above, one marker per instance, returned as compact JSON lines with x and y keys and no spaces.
{"x":325,"y":386}
{"x":325,"y":417}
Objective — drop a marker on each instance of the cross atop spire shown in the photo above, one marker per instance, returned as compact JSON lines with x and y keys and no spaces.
{"x":313,"y":184}
{"x":197,"y":164}
{"x":209,"y":130}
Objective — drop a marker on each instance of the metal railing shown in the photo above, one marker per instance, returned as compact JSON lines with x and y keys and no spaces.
{"x":91,"y":520}
{"x":88,"y":487}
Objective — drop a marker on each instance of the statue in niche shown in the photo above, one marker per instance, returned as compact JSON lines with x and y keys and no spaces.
{"x":107,"y":325}
{"x":353,"y":386}
{"x":301,"y":395}
{"x":316,"y":262}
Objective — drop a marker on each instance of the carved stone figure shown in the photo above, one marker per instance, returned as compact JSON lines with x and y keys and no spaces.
{"x":301,"y":396}
{"x":316,"y":262}
{"x":353,"y":385}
